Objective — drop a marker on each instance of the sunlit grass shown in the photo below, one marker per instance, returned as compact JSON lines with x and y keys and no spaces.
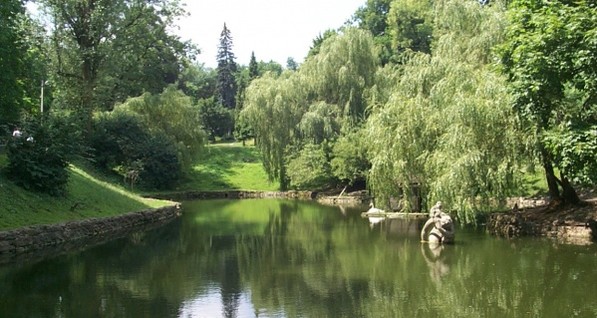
{"x":228,"y":166}
{"x":87,"y":197}
{"x":534,"y":184}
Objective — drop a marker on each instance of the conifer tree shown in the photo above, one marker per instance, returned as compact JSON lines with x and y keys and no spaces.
{"x":226,"y":70}
{"x":253,"y":67}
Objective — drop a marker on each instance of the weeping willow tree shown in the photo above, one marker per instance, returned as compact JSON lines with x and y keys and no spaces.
{"x":343,"y":71}
{"x":446,"y":130}
{"x":273,"y":107}
{"x":299,"y":115}
{"x":173,"y":113}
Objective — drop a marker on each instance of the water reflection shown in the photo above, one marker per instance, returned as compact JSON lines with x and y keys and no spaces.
{"x":436,"y":261}
{"x":275,"y":258}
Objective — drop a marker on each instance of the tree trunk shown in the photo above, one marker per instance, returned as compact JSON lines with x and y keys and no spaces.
{"x":568,"y":193}
{"x":552,"y":180}
{"x":283,"y":179}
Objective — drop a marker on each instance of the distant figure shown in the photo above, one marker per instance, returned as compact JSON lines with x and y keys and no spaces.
{"x":17,"y":132}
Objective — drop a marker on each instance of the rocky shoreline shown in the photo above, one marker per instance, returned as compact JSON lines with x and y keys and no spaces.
{"x":37,"y":242}
{"x":575,"y":224}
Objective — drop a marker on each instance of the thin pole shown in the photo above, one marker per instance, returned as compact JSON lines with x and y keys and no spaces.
{"x":41,"y":107}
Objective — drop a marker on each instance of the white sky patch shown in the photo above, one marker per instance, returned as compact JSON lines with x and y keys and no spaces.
{"x":273,"y":29}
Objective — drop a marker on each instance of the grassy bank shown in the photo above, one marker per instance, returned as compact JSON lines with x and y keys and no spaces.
{"x":87,"y":197}
{"x":228,"y":166}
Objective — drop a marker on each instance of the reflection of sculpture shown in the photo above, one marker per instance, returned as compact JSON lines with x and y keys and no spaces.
{"x":436,"y":262}
{"x":442,"y":230}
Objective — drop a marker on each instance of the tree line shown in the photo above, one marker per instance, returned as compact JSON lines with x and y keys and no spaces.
{"x":105,"y":81}
{"x":456,"y":100}
{"x":453,"y":100}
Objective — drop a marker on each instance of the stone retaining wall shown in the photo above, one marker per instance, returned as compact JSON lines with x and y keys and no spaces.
{"x":516,"y":225}
{"x":45,"y":240}
{"x":194,"y":195}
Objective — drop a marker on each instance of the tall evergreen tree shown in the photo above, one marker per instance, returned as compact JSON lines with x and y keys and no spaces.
{"x":226,"y":85}
{"x":253,"y":67}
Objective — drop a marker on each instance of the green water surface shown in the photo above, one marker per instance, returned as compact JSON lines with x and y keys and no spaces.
{"x":283,"y":258}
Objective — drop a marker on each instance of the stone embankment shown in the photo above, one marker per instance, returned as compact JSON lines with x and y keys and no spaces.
{"x":569,"y":224}
{"x":201,"y":195}
{"x":345,"y":199}
{"x":38,"y":242}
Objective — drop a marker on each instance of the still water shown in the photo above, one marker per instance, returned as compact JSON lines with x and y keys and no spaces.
{"x":282,"y":258}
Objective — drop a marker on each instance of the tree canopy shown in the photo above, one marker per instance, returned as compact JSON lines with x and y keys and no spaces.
{"x":550,"y":60}
{"x":107,"y":50}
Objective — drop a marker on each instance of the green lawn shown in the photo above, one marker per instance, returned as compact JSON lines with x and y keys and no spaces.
{"x":228,"y":166}
{"x":87,"y":197}
{"x":224,"y":166}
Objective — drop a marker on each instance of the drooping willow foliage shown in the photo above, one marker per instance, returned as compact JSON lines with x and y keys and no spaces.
{"x":435,"y":125}
{"x":312,"y":106}
{"x":447,"y":129}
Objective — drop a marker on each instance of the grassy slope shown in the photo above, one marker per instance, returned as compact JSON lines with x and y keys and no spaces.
{"x":228,"y":166}
{"x":91,"y":194}
{"x":225,"y":166}
{"x":87,"y":197}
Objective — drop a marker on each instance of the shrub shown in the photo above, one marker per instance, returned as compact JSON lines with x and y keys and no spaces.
{"x":172,"y":113}
{"x":310,"y":169}
{"x":161,"y":166}
{"x":122,"y":142}
{"x":38,"y":159}
{"x":115,"y":138}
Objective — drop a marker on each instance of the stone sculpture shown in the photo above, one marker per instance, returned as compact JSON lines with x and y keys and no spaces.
{"x":441,"y":224}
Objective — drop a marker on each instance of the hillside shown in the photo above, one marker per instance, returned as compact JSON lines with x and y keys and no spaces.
{"x":87,"y":197}
{"x":228,"y":166}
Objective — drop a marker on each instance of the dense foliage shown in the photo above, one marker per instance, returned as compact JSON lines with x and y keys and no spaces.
{"x":295,"y":114}
{"x":121,"y":142}
{"x":37,"y":159}
{"x":172,"y":114}
{"x":447,"y":127}
{"x":22,"y":62}
{"x":452,"y":100}
{"x":107,"y":50}
{"x":551,"y":63}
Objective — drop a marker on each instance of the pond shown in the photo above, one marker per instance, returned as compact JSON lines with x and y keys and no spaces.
{"x":286,"y":258}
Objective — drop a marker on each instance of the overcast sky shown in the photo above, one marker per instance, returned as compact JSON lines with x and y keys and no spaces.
{"x":273,"y":29}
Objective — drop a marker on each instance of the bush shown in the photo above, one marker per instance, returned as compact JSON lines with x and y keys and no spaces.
{"x":310,"y":169}
{"x":122,"y":142}
{"x":38,"y":159}
{"x":161,"y":166}
{"x":171,"y":113}
{"x":115,"y":139}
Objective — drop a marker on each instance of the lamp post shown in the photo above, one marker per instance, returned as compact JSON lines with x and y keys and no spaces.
{"x":41,"y":106}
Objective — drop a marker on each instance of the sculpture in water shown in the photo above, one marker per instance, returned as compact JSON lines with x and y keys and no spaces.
{"x":439,"y":228}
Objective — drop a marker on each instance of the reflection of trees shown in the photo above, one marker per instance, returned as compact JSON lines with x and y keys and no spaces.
{"x":305,"y":260}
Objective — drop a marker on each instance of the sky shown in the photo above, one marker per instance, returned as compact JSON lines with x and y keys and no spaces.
{"x":274,"y":29}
